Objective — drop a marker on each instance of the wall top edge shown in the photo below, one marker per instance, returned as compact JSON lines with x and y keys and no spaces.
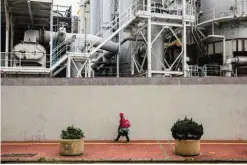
{"x":120,"y":81}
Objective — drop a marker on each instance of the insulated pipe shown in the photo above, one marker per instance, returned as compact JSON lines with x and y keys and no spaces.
{"x":109,"y":46}
{"x":236,"y":60}
{"x":109,"y":54}
{"x":131,"y":38}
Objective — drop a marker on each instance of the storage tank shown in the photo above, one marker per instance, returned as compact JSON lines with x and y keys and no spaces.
{"x":225,"y":18}
{"x":229,"y":17}
{"x":229,"y":14}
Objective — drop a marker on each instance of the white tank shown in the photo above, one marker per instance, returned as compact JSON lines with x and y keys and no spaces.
{"x":29,"y":51}
{"x":229,"y":13}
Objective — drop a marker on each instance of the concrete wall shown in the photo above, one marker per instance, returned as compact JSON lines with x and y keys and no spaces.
{"x":38,"y":109}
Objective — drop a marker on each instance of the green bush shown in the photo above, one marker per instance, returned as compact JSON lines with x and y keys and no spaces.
{"x":72,"y":133}
{"x":187,"y":129}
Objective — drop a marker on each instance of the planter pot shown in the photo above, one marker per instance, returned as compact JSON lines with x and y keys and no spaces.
{"x":187,"y":147}
{"x":71,"y":147}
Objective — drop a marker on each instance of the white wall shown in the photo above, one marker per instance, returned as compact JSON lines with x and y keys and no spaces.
{"x":40,"y":112}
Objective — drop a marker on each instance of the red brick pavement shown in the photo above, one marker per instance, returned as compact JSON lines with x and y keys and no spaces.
{"x":141,"y":151}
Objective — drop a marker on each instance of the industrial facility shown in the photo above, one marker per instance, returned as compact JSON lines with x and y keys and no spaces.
{"x":124,"y":38}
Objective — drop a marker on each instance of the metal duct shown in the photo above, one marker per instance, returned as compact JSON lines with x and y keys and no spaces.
{"x":235,"y":60}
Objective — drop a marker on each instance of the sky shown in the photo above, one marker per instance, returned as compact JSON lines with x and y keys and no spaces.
{"x":74,"y":4}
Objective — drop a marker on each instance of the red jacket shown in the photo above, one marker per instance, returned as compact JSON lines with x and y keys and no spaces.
{"x":122,"y":122}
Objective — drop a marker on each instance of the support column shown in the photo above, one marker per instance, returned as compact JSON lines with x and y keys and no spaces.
{"x":68,"y":69}
{"x":7,"y":33}
{"x":224,"y":51}
{"x":51,"y":34}
{"x":89,"y":68}
{"x":132,"y":60}
{"x":184,"y":40}
{"x":12,"y":38}
{"x":149,"y":40}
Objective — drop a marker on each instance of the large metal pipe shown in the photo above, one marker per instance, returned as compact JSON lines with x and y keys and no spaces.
{"x":109,"y":46}
{"x":107,"y":54}
{"x":235,"y":60}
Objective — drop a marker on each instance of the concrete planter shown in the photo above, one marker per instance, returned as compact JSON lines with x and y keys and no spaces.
{"x":71,"y":147}
{"x":187,"y":147}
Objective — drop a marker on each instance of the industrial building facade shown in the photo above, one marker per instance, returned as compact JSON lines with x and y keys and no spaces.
{"x":131,"y":38}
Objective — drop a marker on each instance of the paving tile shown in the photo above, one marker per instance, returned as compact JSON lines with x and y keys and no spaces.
{"x":162,"y":151}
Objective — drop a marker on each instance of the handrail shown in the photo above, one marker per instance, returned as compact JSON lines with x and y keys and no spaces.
{"x":238,"y":9}
{"x":116,"y":22}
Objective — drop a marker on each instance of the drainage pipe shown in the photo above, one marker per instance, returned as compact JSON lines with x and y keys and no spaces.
{"x":235,"y":60}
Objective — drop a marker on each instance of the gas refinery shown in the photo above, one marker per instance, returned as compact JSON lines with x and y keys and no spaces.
{"x":124,"y":38}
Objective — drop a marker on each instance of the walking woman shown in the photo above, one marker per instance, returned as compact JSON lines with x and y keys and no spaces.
{"x":123,"y":128}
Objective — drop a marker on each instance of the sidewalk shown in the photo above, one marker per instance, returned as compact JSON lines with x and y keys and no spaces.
{"x":137,"y":151}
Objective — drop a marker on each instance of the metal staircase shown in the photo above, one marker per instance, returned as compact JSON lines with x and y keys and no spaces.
{"x":124,"y":20}
{"x":198,"y":37}
{"x":60,"y":54}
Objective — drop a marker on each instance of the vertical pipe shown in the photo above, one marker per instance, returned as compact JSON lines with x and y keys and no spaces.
{"x":7,"y":34}
{"x":149,"y":47}
{"x":184,"y":38}
{"x":93,"y":16}
{"x":51,"y":34}
{"x":82,"y":18}
{"x":119,"y":52}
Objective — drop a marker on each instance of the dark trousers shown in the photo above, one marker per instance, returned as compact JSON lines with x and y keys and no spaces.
{"x":122,"y":134}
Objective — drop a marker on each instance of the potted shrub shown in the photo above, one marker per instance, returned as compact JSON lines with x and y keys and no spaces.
{"x":72,"y":142}
{"x":187,"y":134}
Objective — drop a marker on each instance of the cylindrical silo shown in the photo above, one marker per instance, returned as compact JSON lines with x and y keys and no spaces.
{"x":225,"y":18}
